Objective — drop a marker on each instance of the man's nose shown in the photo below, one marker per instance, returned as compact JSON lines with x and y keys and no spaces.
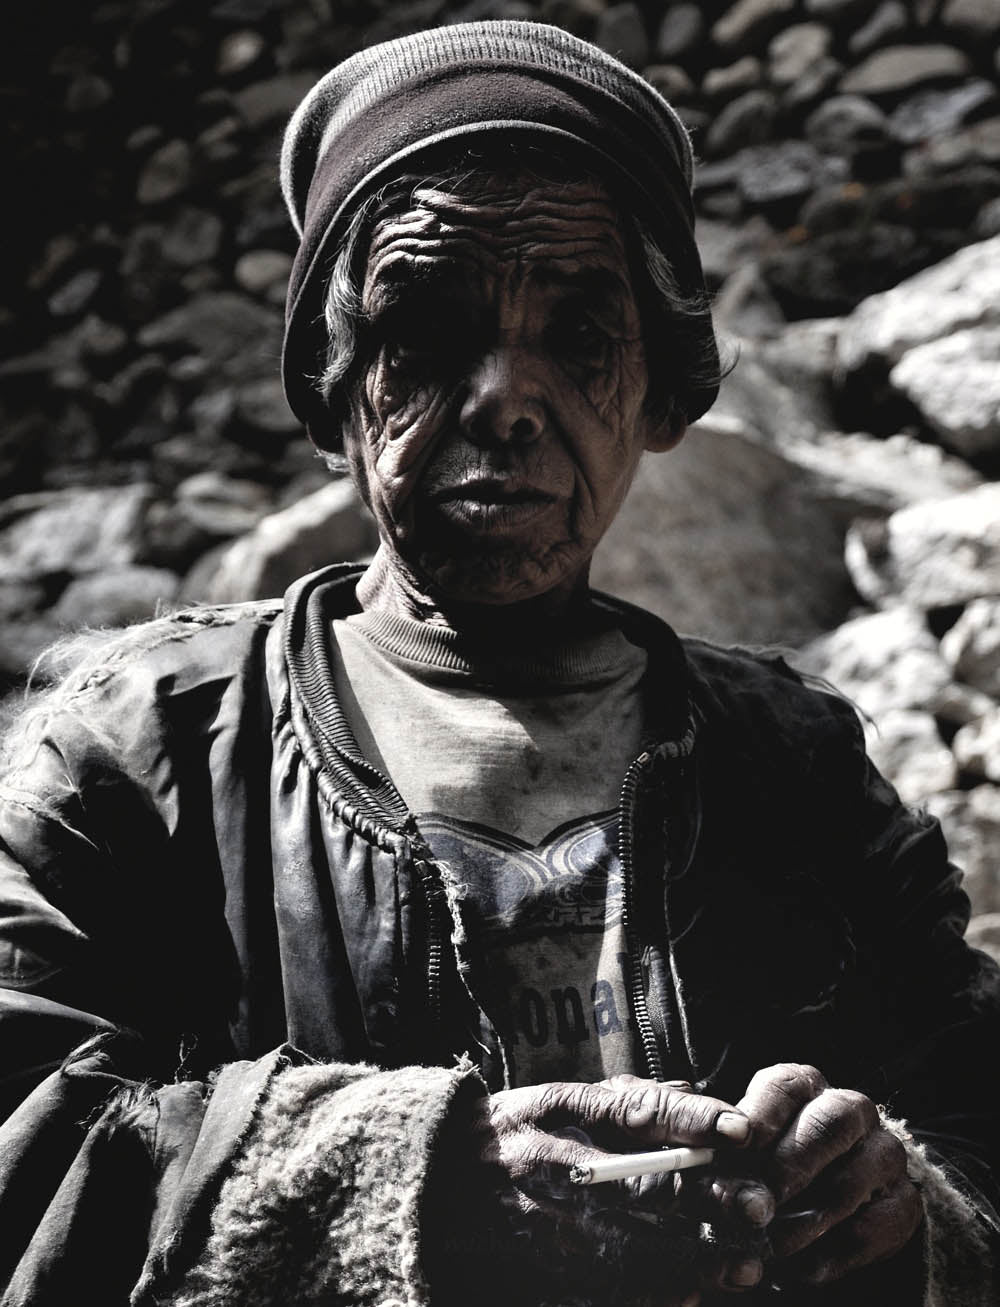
{"x":501,"y":405}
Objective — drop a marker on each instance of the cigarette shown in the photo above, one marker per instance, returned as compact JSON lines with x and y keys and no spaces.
{"x":628,"y":1164}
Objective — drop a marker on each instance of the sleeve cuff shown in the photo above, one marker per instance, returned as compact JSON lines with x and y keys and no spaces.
{"x":323,"y":1202}
{"x":958,"y":1258}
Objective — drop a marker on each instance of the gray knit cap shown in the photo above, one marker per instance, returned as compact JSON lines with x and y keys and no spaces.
{"x":390,"y":108}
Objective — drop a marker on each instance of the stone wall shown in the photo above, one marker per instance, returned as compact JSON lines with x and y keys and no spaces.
{"x":842,"y":496}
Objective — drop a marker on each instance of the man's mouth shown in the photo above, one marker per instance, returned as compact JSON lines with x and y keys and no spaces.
{"x":492,"y":504}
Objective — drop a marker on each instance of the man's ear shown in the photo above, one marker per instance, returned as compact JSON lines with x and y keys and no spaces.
{"x":666,"y":433}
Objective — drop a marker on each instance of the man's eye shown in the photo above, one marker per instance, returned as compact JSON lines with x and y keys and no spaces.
{"x":581,"y":338}
{"x":419,"y":344}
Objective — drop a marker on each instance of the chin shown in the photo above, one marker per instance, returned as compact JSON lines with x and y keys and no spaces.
{"x":496,"y":578}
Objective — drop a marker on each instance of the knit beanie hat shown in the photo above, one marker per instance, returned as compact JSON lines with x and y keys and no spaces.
{"x":389,"y":109}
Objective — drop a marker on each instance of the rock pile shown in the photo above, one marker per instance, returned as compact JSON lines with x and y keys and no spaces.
{"x":842,"y":496}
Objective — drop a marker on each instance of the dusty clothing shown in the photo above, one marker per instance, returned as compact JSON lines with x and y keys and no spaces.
{"x":512,"y":766}
{"x":193,"y":850}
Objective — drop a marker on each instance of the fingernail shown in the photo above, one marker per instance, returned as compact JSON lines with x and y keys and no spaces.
{"x":746,"y":1274}
{"x":757,"y":1207}
{"x":693,"y":1300}
{"x":733,"y":1126}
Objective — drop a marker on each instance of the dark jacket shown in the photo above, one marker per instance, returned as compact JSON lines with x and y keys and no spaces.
{"x":192,"y":852}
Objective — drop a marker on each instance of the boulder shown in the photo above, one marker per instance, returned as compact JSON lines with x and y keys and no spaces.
{"x":273,"y":100}
{"x":835,"y":12}
{"x":329,"y":526}
{"x":721,"y":84}
{"x":22,"y":644}
{"x":221,"y":506}
{"x":958,"y":705}
{"x":848,"y":125}
{"x":936,"y":554}
{"x":780,"y":406}
{"x":972,"y":646}
{"x":886,"y":473}
{"x":747,"y":120}
{"x":115,"y":597}
{"x":793,"y":51}
{"x":882,"y":662}
{"x":987,"y":222}
{"x":262,"y":405}
{"x":749,"y":23}
{"x":73,"y":532}
{"x":950,"y":200}
{"x":729,"y":539}
{"x":834,"y":271}
{"x":898,"y":68}
{"x":976,"y":747}
{"x":233,"y":333}
{"x":907,"y":748}
{"x":984,"y":933}
{"x":979,"y":143}
{"x":167,"y":173}
{"x":239,"y":51}
{"x":261,"y":271}
{"x":976,"y":20}
{"x":725,"y":247}
{"x":74,"y":295}
{"x":87,"y":92}
{"x":888,"y":21}
{"x":962,"y":291}
{"x":815,"y":83}
{"x":938,"y":112}
{"x":19,"y":599}
{"x":970,"y":820}
{"x":783,"y":172}
{"x":672,"y":82}
{"x":745,"y":309}
{"x":680,"y":32}
{"x":621,"y":31}
{"x":192,"y":237}
{"x":954,"y":382}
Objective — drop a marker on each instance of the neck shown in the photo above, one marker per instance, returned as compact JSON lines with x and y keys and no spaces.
{"x":553,"y":617}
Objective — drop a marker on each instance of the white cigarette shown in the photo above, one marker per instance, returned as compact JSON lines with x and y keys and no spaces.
{"x":660,"y":1162}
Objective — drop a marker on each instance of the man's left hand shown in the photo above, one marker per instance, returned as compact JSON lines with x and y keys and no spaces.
{"x":839,"y":1176}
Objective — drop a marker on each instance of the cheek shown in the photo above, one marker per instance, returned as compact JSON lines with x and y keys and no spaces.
{"x":401,"y":419}
{"x":601,"y":417}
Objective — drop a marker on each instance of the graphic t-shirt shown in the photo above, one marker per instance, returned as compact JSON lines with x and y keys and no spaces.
{"x":513,"y":767}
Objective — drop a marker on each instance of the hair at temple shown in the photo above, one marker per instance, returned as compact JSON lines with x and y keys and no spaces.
{"x":679,"y":335}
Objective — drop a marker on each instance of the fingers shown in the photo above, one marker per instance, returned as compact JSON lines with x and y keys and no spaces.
{"x":824,"y":1131}
{"x":776,"y":1095}
{"x":877,"y":1230}
{"x":747,"y":1200}
{"x":644,"y":1114}
{"x":874,"y":1166}
{"x":804,"y":1123}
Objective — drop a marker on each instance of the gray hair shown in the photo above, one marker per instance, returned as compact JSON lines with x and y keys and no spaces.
{"x":677,"y":327}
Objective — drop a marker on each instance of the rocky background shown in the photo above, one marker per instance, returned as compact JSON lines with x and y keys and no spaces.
{"x":842,"y":499}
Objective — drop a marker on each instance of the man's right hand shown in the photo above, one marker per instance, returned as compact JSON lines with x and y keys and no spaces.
{"x":639,"y":1235}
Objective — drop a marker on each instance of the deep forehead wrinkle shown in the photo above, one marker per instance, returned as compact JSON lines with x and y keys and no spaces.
{"x":552,"y":234}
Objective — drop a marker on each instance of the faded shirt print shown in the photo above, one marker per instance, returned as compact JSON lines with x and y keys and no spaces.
{"x":548,"y":918}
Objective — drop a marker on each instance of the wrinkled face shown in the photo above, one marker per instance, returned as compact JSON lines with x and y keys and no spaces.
{"x":499,"y":414}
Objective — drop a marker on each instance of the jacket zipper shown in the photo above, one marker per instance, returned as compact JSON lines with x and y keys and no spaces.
{"x":626,"y":848}
{"x":435,"y":896}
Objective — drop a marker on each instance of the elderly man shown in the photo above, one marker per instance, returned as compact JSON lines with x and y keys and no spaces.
{"x":338,"y":935}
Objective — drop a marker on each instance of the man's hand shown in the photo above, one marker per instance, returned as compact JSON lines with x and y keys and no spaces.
{"x":844,"y":1198}
{"x":543,"y":1129}
{"x":636,"y":1241}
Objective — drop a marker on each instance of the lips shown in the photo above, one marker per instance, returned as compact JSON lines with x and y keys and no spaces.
{"x":483,"y":491}
{"x":493,"y":505}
